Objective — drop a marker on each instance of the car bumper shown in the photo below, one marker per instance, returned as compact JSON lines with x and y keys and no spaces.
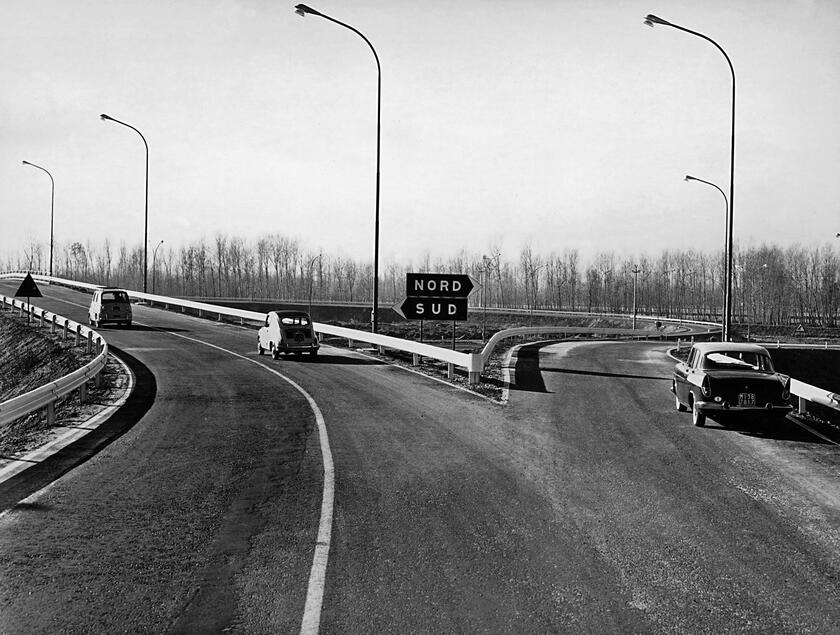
{"x":714,"y":406}
{"x":298,"y":349}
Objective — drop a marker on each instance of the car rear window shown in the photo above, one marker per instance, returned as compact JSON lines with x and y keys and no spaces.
{"x":294,"y":320}
{"x":738,"y":360}
{"x":114,"y":296}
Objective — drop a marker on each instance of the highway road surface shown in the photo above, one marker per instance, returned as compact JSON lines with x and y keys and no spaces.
{"x":587,"y":504}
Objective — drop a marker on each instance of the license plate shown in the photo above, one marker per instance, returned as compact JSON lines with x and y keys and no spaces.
{"x":746,"y":398}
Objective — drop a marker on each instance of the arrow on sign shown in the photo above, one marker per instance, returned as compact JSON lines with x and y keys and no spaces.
{"x":439,"y":285}
{"x":452,"y":309}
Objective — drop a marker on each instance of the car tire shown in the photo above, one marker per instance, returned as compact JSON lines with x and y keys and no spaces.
{"x":260,"y":349}
{"x":128,"y":324}
{"x":313,"y":353}
{"x":275,"y":354}
{"x":698,"y":418}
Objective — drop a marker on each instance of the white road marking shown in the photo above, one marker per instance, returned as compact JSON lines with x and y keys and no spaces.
{"x":317,"y":575}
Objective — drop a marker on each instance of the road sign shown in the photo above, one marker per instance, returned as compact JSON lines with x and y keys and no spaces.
{"x":452,"y":309}
{"x":28,"y":288}
{"x":438,"y":285}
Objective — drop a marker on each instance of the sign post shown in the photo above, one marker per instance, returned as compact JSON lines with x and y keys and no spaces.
{"x":28,"y":289}
{"x":436,"y":296}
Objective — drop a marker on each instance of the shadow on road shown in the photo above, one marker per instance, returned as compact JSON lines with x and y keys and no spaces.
{"x":42,"y":474}
{"x":322,"y":358}
{"x":142,"y":328}
{"x":526,"y":373}
{"x":776,"y":428}
{"x":571,"y":371}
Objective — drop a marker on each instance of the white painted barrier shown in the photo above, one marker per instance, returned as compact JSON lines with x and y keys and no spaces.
{"x":47,"y":395}
{"x":473,"y":362}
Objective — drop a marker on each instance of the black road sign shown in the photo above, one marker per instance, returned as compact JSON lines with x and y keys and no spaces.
{"x":28,"y":288}
{"x":452,"y":309}
{"x":438,"y":285}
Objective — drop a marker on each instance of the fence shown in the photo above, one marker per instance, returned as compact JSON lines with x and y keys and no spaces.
{"x":47,"y":395}
{"x":473,"y":363}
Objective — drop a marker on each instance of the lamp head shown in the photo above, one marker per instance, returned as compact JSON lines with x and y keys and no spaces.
{"x":689,"y":178}
{"x":105,"y":117}
{"x":651,"y":19}
{"x":26,"y":163}
{"x":302,"y":10}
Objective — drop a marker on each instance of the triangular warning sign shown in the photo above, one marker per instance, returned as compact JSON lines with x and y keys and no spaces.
{"x":800,"y":328}
{"x":28,"y":288}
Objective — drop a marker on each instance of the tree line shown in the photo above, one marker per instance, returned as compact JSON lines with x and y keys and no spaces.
{"x":771,"y":285}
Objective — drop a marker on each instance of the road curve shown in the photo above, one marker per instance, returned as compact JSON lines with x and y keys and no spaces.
{"x":587,"y":504}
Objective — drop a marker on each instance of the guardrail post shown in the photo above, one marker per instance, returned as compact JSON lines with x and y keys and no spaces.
{"x":89,"y":341}
{"x":78,"y":334}
{"x":415,"y":359}
{"x":66,"y":327}
{"x":53,"y":323}
{"x":97,"y":379}
{"x":474,"y":377}
{"x":220,"y":318}
{"x":83,"y":393}
{"x":41,"y":319}
{"x":803,"y":405}
{"x":51,"y":413}
{"x":350,"y":343}
{"x":450,"y":370}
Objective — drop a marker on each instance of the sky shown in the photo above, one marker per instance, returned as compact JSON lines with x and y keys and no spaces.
{"x":557,"y":124}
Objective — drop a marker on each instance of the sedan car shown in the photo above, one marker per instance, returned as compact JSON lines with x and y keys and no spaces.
{"x":729,"y":378}
{"x":287,"y":332}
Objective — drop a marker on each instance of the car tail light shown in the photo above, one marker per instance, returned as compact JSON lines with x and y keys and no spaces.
{"x":786,"y":390}
{"x":706,"y":387}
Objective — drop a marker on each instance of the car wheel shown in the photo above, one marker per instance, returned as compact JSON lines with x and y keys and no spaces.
{"x":128,"y":324}
{"x":678,"y":404}
{"x":275,"y":354}
{"x":313,"y":353}
{"x":697,"y":418}
{"x":260,"y":349}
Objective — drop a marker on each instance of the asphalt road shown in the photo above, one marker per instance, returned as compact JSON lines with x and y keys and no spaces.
{"x":587,"y":504}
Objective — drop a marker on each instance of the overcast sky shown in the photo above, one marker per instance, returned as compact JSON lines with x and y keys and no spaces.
{"x":560,"y":124}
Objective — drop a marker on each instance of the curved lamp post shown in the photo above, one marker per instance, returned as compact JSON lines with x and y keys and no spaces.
{"x":52,"y":208}
{"x":309,"y":274}
{"x":105,"y":117}
{"x":154,"y":265}
{"x":652,"y":20}
{"x":727,"y":290}
{"x":303,"y":10}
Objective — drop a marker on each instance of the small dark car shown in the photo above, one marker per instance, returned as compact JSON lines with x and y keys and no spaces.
{"x":729,"y":378}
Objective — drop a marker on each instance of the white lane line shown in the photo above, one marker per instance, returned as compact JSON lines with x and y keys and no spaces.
{"x":318,"y":573}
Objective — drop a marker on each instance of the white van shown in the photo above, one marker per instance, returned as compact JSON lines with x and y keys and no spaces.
{"x":109,"y":305}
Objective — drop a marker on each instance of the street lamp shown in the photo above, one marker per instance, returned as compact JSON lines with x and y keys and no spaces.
{"x":635,"y":271}
{"x":309,"y":269}
{"x":105,"y":117}
{"x":154,"y":265}
{"x":652,"y":20}
{"x":727,"y":289}
{"x":52,"y":208}
{"x":302,"y":10}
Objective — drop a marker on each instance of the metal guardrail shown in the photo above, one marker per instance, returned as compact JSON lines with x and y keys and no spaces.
{"x":47,"y":395}
{"x":474,"y":363}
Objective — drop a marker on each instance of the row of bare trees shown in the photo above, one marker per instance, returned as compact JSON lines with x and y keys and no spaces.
{"x":771,"y":285}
